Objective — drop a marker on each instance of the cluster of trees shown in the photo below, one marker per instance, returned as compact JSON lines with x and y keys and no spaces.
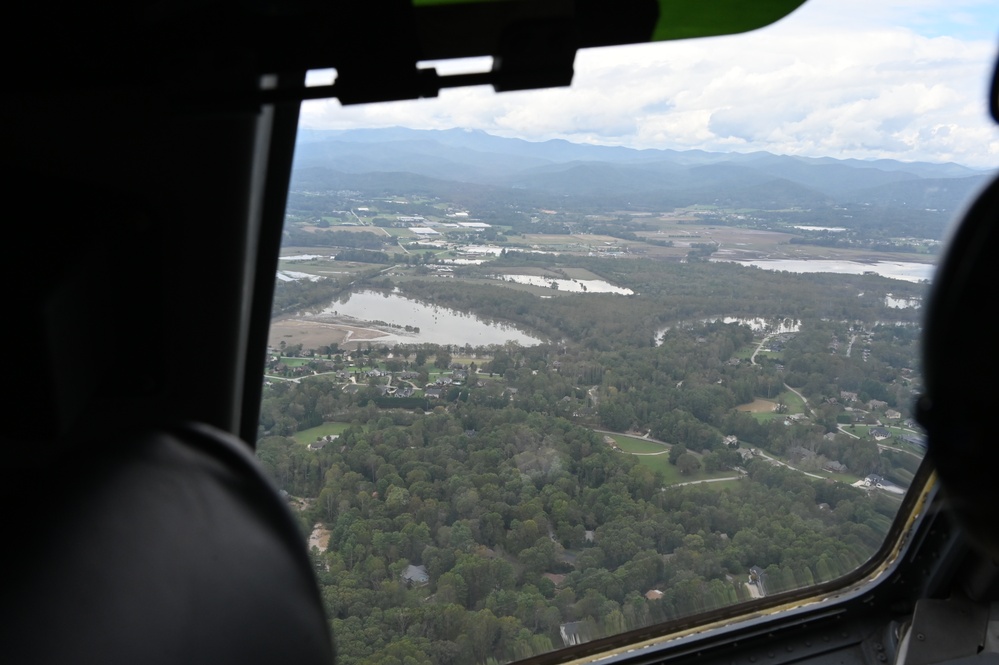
{"x":881,"y":366}
{"x":364,"y":256}
{"x":525,"y":523}
{"x":295,"y":296}
{"x":667,"y":293}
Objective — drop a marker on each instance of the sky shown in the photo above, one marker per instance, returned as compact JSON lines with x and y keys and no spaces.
{"x":866,"y":79}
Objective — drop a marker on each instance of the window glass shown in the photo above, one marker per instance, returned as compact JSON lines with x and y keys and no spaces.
{"x":550,"y":366}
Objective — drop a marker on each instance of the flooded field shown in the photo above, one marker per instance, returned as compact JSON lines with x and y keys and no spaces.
{"x":388,"y":318}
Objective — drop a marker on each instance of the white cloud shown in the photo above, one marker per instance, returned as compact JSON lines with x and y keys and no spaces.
{"x":817,"y":83}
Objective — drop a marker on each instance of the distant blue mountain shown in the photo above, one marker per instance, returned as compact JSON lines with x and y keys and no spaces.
{"x":616,"y":175}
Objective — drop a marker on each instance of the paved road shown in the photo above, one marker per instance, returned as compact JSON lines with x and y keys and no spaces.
{"x":752,"y":358}
{"x":899,"y":450}
{"x":281,"y":378}
{"x":777,"y":461}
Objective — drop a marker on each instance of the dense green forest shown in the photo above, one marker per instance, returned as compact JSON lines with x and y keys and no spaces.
{"x":489,"y":510}
{"x":530,"y":527}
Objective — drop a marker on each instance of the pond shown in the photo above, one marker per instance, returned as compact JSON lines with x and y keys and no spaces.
{"x":437,"y":325}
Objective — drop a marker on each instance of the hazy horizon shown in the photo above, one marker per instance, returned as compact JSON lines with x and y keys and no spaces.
{"x":836,"y":78}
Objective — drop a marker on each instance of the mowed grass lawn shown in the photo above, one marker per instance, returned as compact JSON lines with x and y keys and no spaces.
{"x":295,"y":362}
{"x":671,"y":475}
{"x":631,"y":444}
{"x":794,"y":403}
{"x":307,"y":436}
{"x":865,"y":430}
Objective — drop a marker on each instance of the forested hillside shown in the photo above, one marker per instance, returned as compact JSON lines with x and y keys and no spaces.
{"x":499,"y":517}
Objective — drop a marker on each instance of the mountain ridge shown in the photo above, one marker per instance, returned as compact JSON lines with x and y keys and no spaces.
{"x":618,"y":176}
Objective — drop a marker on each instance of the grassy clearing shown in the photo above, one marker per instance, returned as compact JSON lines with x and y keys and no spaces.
{"x":672,"y":475}
{"x":758,"y":405}
{"x":295,"y":362}
{"x":794,"y":403}
{"x":484,"y":378}
{"x":905,"y":448}
{"x":841,"y":477}
{"x":865,"y":430}
{"x":307,"y":436}
{"x":468,"y":360}
{"x":311,"y":267}
{"x":723,"y":485}
{"x":630,"y":444}
{"x":766,"y":417}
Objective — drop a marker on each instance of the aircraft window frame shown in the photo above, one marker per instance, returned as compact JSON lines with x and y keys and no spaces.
{"x":854,"y":582}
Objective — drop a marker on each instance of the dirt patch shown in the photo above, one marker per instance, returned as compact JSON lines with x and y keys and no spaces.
{"x":319,"y":538}
{"x":758,"y":406}
{"x":313,"y":334}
